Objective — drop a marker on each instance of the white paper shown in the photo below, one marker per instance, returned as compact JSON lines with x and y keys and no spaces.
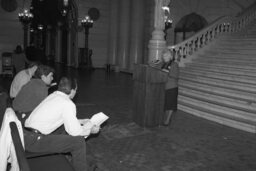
{"x":98,"y":118}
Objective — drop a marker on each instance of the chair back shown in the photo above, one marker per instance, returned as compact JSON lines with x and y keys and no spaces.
{"x":20,"y":153}
{"x":7,"y":59}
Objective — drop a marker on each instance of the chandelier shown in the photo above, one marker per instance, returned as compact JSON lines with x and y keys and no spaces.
{"x":25,"y":17}
{"x":87,"y":22}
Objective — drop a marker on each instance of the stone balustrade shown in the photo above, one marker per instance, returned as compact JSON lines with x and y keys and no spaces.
{"x":184,"y":51}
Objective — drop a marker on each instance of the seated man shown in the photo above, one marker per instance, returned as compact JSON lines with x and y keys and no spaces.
{"x":34,"y":92}
{"x":22,"y":78}
{"x":55,"y":111}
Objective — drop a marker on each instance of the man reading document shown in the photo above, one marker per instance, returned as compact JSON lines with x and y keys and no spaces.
{"x":56,"y":110}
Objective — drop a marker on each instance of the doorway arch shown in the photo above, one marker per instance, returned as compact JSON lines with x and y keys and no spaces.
{"x":190,"y":23}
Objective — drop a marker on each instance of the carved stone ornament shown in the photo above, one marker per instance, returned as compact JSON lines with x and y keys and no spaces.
{"x":9,"y":5}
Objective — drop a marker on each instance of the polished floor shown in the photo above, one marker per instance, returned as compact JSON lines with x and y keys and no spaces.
{"x":189,"y":144}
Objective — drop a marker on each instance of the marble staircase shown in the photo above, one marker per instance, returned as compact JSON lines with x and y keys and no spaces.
{"x":220,"y":82}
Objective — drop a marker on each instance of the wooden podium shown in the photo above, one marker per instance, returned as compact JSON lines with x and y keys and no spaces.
{"x":148,"y":95}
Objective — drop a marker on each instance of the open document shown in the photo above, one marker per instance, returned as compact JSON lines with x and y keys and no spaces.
{"x":98,"y":118}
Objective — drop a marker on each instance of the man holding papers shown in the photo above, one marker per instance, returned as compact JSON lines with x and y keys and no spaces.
{"x":57,"y":110}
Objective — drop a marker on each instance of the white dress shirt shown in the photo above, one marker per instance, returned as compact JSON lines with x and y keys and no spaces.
{"x":52,"y":112}
{"x":22,"y":78}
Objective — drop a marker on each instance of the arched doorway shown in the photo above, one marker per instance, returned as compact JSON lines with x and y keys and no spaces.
{"x":188,"y":25}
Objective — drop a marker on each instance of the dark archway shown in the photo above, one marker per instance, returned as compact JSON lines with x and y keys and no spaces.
{"x":53,"y":15}
{"x":189,"y":23}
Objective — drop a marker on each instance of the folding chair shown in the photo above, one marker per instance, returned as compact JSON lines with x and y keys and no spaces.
{"x":7,"y":64}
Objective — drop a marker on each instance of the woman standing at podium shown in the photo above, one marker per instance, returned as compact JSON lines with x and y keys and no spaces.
{"x":171,"y":87}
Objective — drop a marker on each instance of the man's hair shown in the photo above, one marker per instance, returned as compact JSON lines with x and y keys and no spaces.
{"x":18,"y":49}
{"x":32,"y":64}
{"x":66,"y":84}
{"x":43,"y":70}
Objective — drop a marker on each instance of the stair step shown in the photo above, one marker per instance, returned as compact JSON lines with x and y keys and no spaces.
{"x":234,"y":63}
{"x":220,"y":83}
{"x":225,"y":92}
{"x":233,"y":71}
{"x":222,"y":66}
{"x":222,"y":110}
{"x":227,"y":56}
{"x":228,"y":53}
{"x":234,"y":42}
{"x":216,"y":118}
{"x":236,"y":38}
{"x":242,"y":47}
{"x":219,"y":100}
{"x":222,"y":76}
{"x":237,"y":66}
{"x":227,"y":61}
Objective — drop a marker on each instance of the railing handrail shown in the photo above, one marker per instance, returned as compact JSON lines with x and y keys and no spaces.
{"x":200,"y":32}
{"x":222,"y":25}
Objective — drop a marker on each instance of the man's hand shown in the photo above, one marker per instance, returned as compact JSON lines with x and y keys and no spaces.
{"x":53,"y":84}
{"x":95,"y":129}
{"x":165,"y":70}
{"x":84,"y":121}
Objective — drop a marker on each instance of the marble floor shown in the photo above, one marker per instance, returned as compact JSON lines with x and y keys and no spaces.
{"x":189,"y":144}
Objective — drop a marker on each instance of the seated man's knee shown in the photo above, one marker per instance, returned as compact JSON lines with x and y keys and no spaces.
{"x":78,"y":142}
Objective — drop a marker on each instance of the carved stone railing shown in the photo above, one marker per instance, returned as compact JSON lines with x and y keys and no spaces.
{"x":184,"y":51}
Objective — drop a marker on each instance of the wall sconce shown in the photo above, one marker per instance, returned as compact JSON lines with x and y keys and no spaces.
{"x":167,"y":23}
{"x":63,"y":5}
{"x":40,"y":27}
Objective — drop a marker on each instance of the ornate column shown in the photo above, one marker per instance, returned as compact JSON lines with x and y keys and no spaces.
{"x":75,"y":48}
{"x":137,"y":28}
{"x":58,"y":43}
{"x":124,"y":30}
{"x":157,"y":42}
{"x":113,"y":31}
{"x":69,"y":46}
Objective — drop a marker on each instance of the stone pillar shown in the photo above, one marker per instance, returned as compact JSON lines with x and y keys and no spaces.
{"x":124,"y":30}
{"x":29,"y":36}
{"x":58,"y":43}
{"x":137,"y":32}
{"x":69,"y":46}
{"x":25,"y":35}
{"x":113,"y":32}
{"x":48,"y":42}
{"x":75,"y":46}
{"x":157,"y":42}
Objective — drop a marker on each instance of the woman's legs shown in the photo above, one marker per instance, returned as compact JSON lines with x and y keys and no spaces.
{"x":167,"y":118}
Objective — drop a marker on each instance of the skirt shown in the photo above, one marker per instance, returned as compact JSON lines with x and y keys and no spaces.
{"x":171,"y":99}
